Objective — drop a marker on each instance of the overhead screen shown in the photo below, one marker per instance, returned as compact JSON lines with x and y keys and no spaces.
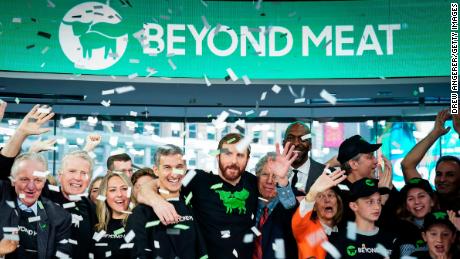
{"x":197,"y":39}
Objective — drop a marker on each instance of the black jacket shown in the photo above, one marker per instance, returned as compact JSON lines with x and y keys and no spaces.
{"x":54,"y":224}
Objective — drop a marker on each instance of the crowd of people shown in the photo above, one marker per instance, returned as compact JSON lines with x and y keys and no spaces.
{"x":293,"y":207}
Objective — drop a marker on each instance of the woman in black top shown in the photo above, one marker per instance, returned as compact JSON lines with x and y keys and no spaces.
{"x":112,"y":208}
{"x":418,"y":200}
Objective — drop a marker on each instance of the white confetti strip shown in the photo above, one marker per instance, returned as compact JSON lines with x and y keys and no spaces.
{"x":248,"y":238}
{"x":351,"y":230}
{"x":41,"y":174}
{"x":108,"y":253}
{"x":225,"y":234}
{"x":50,"y":4}
{"x":22,"y":196}
{"x":292,"y":92}
{"x":263,"y":96}
{"x":73,"y":242}
{"x":127,"y":246}
{"x":178,"y":171}
{"x":206,"y":80}
{"x":249,"y":112}
{"x":156,"y":244}
{"x":263,"y":199}
{"x":62,"y":255}
{"x":17,"y":20}
{"x":243,"y":144}
{"x":132,"y":76}
{"x":171,"y":64}
{"x":124,"y":89}
{"x":45,"y":110}
{"x":276,"y":89}
{"x":105,"y":103}
{"x":235,"y":111}
{"x":278,"y":247}
{"x":246,"y":80}
{"x":235,"y":253}
{"x":68,"y":122}
{"x":263,"y":113}
{"x":421,"y":89}
{"x":343,"y":187}
{"x":256,"y":231}
{"x":380,"y":249}
{"x":306,"y":136}
{"x":188,"y":177}
{"x":326,"y":245}
{"x":92,"y":121}
{"x":13,"y":237}
{"x":33,"y":219}
{"x":129,"y":237}
{"x":299,"y":100}
{"x":328,"y":97}
{"x":128,"y":192}
{"x":109,"y":91}
{"x":134,"y":61}
{"x":163,"y":191}
{"x":11,"y":203}
{"x":98,"y":235}
{"x":232,"y":74}
{"x":68,"y":205}
{"x":10,"y":229}
{"x":16,"y":100}
{"x":133,"y":113}
{"x":53,"y":188}
{"x":75,"y":197}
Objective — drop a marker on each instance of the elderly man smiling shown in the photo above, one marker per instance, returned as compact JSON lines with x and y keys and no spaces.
{"x":40,"y":224}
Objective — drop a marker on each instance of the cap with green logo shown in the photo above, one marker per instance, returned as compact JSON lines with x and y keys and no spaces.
{"x":437,"y":217}
{"x":364,"y":188}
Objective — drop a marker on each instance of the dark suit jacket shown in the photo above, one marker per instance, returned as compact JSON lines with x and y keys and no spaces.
{"x":54,"y":224}
{"x":316,"y":169}
{"x":278,"y":226}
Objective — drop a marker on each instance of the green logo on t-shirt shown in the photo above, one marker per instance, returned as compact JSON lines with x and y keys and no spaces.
{"x":351,"y":250}
{"x":236,"y":200}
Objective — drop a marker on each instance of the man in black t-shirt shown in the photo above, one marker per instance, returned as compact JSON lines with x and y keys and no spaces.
{"x":225,"y":203}
{"x":363,"y":239}
{"x":154,"y":240}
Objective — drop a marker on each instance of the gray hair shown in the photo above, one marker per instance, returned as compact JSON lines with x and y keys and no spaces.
{"x":81,"y":154}
{"x":31,"y":156}
{"x":263,"y":161}
{"x":346,"y":166}
{"x":167,"y":150}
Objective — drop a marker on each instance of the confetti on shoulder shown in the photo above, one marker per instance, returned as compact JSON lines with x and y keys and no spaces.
{"x":152,"y":223}
{"x":119,"y":231}
{"x":216,"y":186}
{"x":181,"y":226}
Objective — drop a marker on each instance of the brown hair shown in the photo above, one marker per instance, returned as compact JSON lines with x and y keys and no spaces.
{"x":119,"y":157}
{"x":142,"y":172}
{"x":338,"y":216}
{"x":403,"y":213}
{"x":232,"y":138}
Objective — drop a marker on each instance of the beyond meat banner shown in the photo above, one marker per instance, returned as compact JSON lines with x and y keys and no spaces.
{"x":212,"y":39}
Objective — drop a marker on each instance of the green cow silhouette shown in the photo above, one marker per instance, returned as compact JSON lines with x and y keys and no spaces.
{"x":236,"y":200}
{"x":96,"y":35}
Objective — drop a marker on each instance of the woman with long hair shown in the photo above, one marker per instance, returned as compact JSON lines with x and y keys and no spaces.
{"x":318,"y":215}
{"x":112,"y":215}
{"x":417,"y":200}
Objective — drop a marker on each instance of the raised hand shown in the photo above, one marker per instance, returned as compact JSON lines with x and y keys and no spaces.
{"x":454,"y":219}
{"x":42,"y":145}
{"x":325,"y":181}
{"x":3,"y":105}
{"x":439,"y":128}
{"x":92,"y":140}
{"x":280,"y":164}
{"x":456,"y":122}
{"x":34,"y":120}
{"x":385,"y":174}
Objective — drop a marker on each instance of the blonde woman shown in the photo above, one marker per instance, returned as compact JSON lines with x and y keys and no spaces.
{"x":112,"y":215}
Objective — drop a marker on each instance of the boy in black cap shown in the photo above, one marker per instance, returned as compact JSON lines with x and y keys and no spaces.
{"x":439,"y":234}
{"x":365,"y":239}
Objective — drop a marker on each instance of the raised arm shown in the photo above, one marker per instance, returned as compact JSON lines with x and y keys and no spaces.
{"x":413,"y":158}
{"x":456,"y":122}
{"x":92,"y":140}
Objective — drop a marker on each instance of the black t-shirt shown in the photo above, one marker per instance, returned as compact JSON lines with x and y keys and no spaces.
{"x":365,"y":246}
{"x":28,"y":234}
{"x":225,"y":213}
{"x":83,"y":221}
{"x":111,"y":242}
{"x":182,"y":240}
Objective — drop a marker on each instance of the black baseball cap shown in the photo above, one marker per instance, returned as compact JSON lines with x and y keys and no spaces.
{"x":438,"y":217}
{"x":353,"y":146}
{"x":416,"y":183}
{"x":365,"y":187}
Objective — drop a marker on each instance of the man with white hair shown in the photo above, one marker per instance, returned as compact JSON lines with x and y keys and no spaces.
{"x":74,"y":177}
{"x":40,"y":224}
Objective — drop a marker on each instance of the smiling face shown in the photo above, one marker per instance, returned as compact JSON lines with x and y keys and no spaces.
{"x":439,"y":239}
{"x":266,"y":184}
{"x":302,"y":147}
{"x":117,"y":196}
{"x":75,"y":175}
{"x":170,"y":172}
{"x":364,"y":166}
{"x":232,"y":163}
{"x":27,"y":186}
{"x":94,"y":192}
{"x":447,"y":180}
{"x":419,"y":202}
{"x":326,"y":205}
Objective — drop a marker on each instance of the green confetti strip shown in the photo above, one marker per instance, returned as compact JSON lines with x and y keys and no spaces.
{"x":152,"y":223}
{"x":188,"y":198}
{"x":204,"y":257}
{"x":181,"y":226}
{"x":214,"y":152}
{"x":119,"y":231}
{"x":40,"y":205}
{"x":230,"y":141}
{"x":216,"y":186}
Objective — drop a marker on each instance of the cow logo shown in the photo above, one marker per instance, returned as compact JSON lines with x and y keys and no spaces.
{"x":351,"y":250}
{"x":236,"y":200}
{"x":91,"y":36}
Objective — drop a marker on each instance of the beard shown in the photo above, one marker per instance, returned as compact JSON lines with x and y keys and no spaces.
{"x":231,"y":176}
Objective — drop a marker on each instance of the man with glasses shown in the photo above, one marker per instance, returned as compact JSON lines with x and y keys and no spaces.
{"x":120,"y":163}
{"x":304,"y":171}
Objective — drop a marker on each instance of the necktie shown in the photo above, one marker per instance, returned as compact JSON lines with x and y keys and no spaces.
{"x":258,"y":245}
{"x":294,"y":178}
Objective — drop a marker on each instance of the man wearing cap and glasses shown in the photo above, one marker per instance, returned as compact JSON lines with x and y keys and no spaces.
{"x":304,"y":171}
{"x":364,"y":239}
{"x":357,"y":159}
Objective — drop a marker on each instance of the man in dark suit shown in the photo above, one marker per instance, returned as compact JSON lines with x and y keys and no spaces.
{"x":276,"y":206}
{"x":41,"y":227}
{"x":304,"y":170}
